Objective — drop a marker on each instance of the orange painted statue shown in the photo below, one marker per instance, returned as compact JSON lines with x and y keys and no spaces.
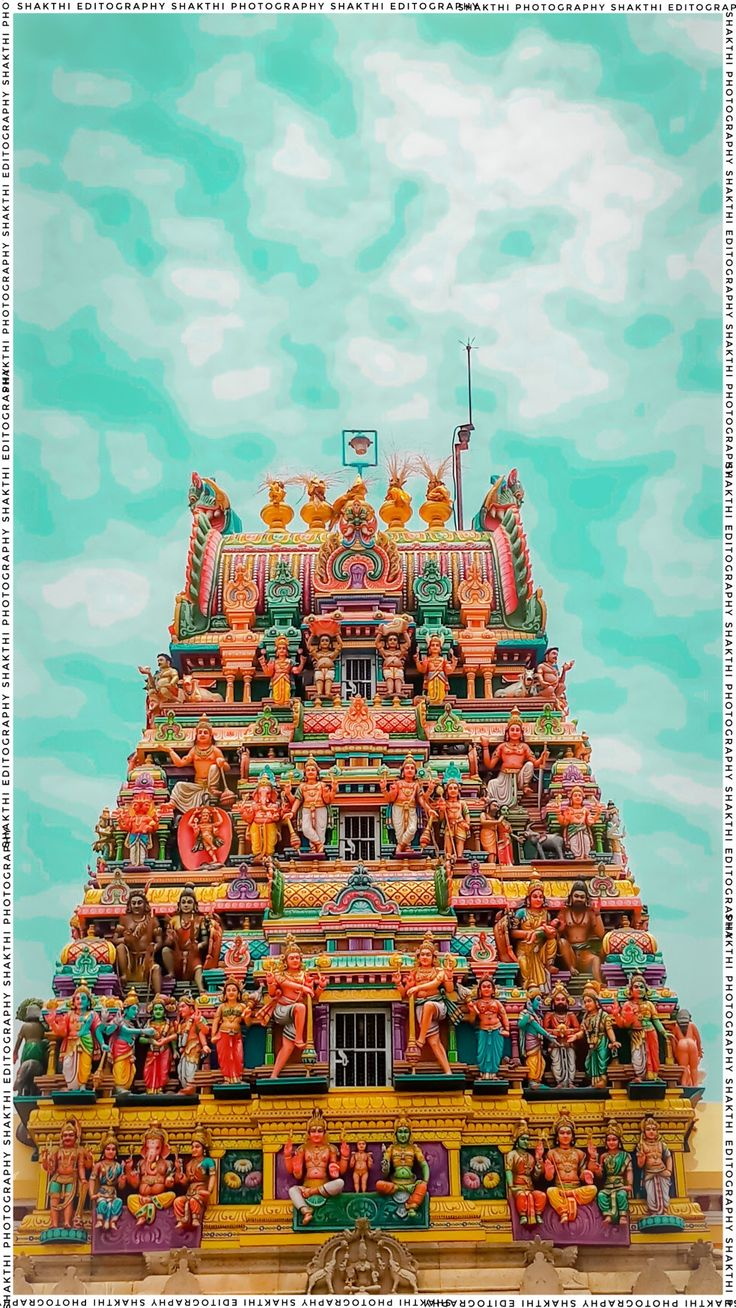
{"x":517,"y":763}
{"x":361,"y":1162}
{"x":570,"y":1172}
{"x":455,"y":817}
{"x":317,"y":1167}
{"x":66,"y":1165}
{"x":687,"y":1047}
{"x":406,"y":794}
{"x":430,"y":984}
{"x":290,"y":988}
{"x":210,"y":768}
{"x":311,"y":801}
{"x":262,"y":813}
{"x":139,"y":820}
{"x":199,"y":1176}
{"x":524,"y":1171}
{"x":153,"y":1178}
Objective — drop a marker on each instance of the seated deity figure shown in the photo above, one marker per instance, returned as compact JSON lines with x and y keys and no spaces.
{"x":311,"y":801}
{"x":533,"y":932}
{"x":106,"y":1180}
{"x":617,"y":1176}
{"x":153,"y":1178}
{"x":210,"y":769}
{"x":316,"y":1166}
{"x":198,"y":1176}
{"x":524,"y":1172}
{"x":581,"y":932}
{"x":190,"y":938}
{"x":406,"y":794}
{"x":570,"y":1172}
{"x":400,"y":1162}
{"x":517,"y":763}
{"x":551,"y":678}
{"x":138,"y":939}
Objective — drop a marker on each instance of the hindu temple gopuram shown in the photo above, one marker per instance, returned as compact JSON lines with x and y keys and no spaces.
{"x":360,"y":993}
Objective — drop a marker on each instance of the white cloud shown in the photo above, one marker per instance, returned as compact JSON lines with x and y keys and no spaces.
{"x":90,"y":89}
{"x":241,"y":383}
{"x":203,"y":338}
{"x":108,"y":595}
{"x":218,"y":284}
{"x":133,"y":465}
{"x":297,"y":157}
{"x":683,"y":789}
{"x":415,"y":409}
{"x":383,"y":364}
{"x":68,"y":449}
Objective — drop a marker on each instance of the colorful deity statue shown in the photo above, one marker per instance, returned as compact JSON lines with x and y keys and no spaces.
{"x":277,"y":514}
{"x":576,"y":819}
{"x":581,"y":932}
{"x":66,"y":1166}
{"x":615,"y":833}
{"x":153,"y":1178}
{"x":455,"y":817}
{"x":392,"y":643}
{"x":123,"y":1030}
{"x":495,"y":835}
{"x":532,"y":1035}
{"x":317,"y":512}
{"x":656,"y":1164}
{"x":493,"y":1026}
{"x":396,"y":508}
{"x":639,"y":1015}
{"x":406,"y":795}
{"x":524,"y":1171}
{"x":31,"y":1047}
{"x":190,"y":937}
{"x":437,"y":507}
{"x":551,"y":678}
{"x":570,"y":1172}
{"x":162,"y":686}
{"x":617,"y":1176}
{"x":227,"y":1032}
{"x":311,"y":801}
{"x":191,"y":1043}
{"x":534,"y":935}
{"x":317,"y":1167}
{"x":600,"y":1036}
{"x":356,"y":518}
{"x":687,"y":1047}
{"x":160,"y":1035}
{"x":400,"y":1161}
{"x":207,"y":822}
{"x":324,"y":644}
{"x":210,"y":772}
{"x":564,"y":1026}
{"x":361,"y":1162}
{"x":106,"y":1180}
{"x":262,"y":812}
{"x":105,"y":832}
{"x":138,"y":939}
{"x":517,"y":763}
{"x":436,"y":670}
{"x":281,"y":670}
{"x":430,"y":988}
{"x":198,"y":1176}
{"x":140,"y":820}
{"x":79,"y":1028}
{"x":291,"y":992}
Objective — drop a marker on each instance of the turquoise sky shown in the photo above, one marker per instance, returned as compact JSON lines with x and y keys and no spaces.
{"x":235,"y":236}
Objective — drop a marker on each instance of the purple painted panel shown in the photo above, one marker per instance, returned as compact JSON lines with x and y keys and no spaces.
{"x":435,"y":1154}
{"x":587,"y":1229}
{"x":129,"y":1238}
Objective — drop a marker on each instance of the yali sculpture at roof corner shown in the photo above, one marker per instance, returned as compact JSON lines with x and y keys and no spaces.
{"x":360,"y":844}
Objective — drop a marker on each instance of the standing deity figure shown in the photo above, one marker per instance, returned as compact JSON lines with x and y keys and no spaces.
{"x":551,"y":678}
{"x":534,"y":935}
{"x":398,"y":1165}
{"x":123,"y":1030}
{"x":105,"y":1183}
{"x":105,"y":832}
{"x":227,"y":1032}
{"x":570,"y":1172}
{"x":532,"y":1035}
{"x":618,"y":1178}
{"x":495,"y":835}
{"x":153,"y":1178}
{"x":493,"y":1026}
{"x":436,"y":670}
{"x":581,"y":932}
{"x":566,"y":1030}
{"x":262,"y":812}
{"x":191,"y":1043}
{"x":281,"y":670}
{"x":656,"y":1164}
{"x":66,"y":1166}
{"x":601,"y":1037}
{"x":210,"y":769}
{"x":79,"y":1028}
{"x":639,"y":1015}
{"x":160,"y":1035}
{"x":361,"y":1162}
{"x":405,"y":795}
{"x":524,"y":1169}
{"x":312,"y":799}
{"x":316,"y":1166}
{"x":428,"y":987}
{"x":30,"y":1046}
{"x":206,"y":822}
{"x":392,"y":643}
{"x":324,"y":644}
{"x":199,"y":1176}
{"x":455,"y":817}
{"x":138,"y":938}
{"x":687,"y":1047}
{"x":396,"y":508}
{"x":615,"y":833}
{"x":517,"y":763}
{"x":576,"y":819}
{"x":291,"y":991}
{"x":189,"y":936}
{"x":140,"y":821}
